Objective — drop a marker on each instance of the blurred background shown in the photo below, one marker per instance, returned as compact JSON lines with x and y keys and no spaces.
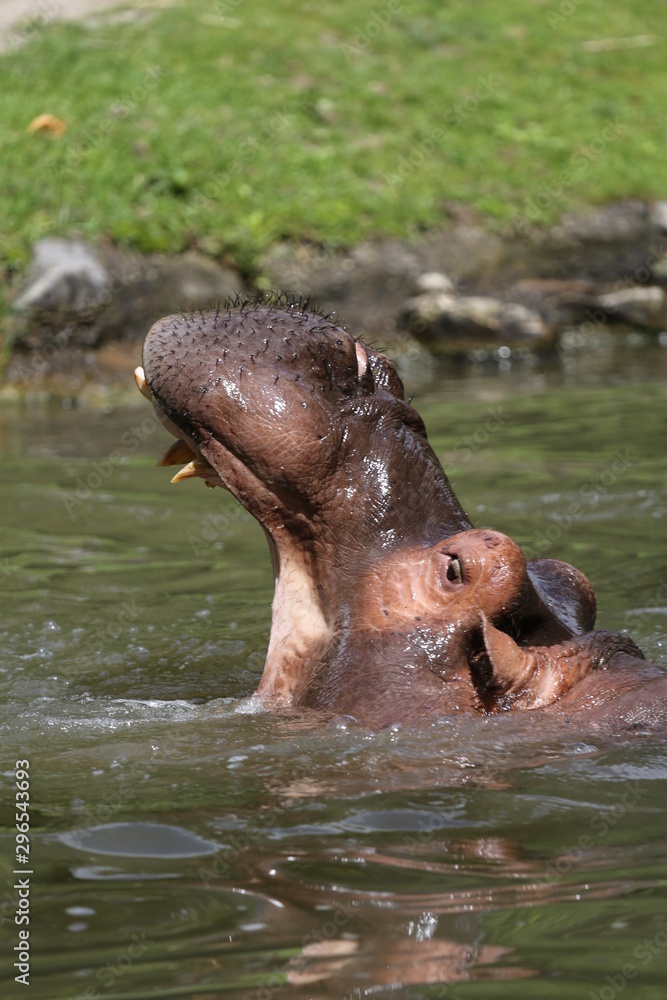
{"x":471,"y":177}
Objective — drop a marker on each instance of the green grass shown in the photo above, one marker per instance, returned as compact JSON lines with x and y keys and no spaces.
{"x":198,"y":155}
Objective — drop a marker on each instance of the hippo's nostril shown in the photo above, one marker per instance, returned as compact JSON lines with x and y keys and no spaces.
{"x":455,"y":571}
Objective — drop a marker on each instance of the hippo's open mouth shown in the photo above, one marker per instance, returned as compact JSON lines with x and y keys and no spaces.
{"x":183,"y":451}
{"x":309,"y":430}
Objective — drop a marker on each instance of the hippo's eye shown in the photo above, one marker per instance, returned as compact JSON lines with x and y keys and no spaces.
{"x":455,"y":572}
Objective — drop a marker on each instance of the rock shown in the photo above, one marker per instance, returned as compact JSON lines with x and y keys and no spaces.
{"x":65,"y":276}
{"x":107,"y":294}
{"x":433,"y":281}
{"x":611,"y":243}
{"x":147,"y":288}
{"x":560,"y":303}
{"x":659,"y":215}
{"x":363,"y":287}
{"x":616,"y":222}
{"x":367,"y":286}
{"x":659,"y":270}
{"x":642,"y":307}
{"x":441,"y":320}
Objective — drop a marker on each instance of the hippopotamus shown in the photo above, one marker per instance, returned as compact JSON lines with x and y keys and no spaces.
{"x":389,"y":606}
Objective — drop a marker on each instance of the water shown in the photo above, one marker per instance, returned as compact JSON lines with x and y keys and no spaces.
{"x":184,"y":844}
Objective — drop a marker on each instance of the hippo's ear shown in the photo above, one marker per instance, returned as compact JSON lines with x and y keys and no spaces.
{"x":535,"y":676}
{"x":510,"y":663}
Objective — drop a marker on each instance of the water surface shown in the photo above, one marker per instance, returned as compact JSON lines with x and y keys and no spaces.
{"x":185,"y":844}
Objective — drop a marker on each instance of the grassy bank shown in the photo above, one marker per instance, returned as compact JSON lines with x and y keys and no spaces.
{"x":231,"y":124}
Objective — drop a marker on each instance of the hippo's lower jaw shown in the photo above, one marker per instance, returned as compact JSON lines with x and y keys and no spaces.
{"x":300,"y":631}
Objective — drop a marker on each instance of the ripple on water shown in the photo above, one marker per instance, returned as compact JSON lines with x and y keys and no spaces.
{"x":190,"y":843}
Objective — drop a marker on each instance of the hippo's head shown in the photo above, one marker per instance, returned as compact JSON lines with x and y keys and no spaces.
{"x":309,"y":429}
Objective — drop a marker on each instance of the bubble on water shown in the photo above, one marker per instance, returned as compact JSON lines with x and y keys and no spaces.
{"x":204,"y":613}
{"x":343,"y":723}
{"x":80,"y":911}
{"x":581,"y":748}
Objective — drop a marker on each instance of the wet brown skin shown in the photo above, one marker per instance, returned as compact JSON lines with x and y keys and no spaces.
{"x":309,"y":429}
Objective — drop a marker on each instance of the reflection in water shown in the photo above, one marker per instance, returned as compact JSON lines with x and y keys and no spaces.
{"x":186,"y":844}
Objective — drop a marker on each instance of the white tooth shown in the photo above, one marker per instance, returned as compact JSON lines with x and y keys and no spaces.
{"x":197,"y":467}
{"x":142,"y":384}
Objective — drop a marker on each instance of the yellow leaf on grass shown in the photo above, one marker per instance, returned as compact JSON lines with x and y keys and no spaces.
{"x":48,"y":123}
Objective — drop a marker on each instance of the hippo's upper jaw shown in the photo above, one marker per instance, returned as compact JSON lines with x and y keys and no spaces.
{"x":310,"y":431}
